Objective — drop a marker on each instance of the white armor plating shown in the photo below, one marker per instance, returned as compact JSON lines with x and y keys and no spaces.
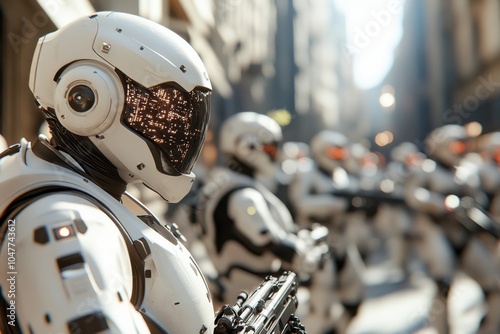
{"x":258,"y":215}
{"x":49,"y":297}
{"x":249,"y":232}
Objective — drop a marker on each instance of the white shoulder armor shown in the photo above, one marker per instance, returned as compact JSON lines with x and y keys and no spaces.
{"x":167,"y":286}
{"x":57,"y":279}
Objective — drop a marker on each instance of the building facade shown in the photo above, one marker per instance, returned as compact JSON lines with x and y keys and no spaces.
{"x":261,"y":55}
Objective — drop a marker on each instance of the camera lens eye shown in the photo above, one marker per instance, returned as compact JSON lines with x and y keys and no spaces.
{"x":81,"y":98}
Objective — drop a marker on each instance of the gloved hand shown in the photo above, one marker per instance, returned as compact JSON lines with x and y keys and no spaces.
{"x":310,"y":259}
{"x":314,"y":234}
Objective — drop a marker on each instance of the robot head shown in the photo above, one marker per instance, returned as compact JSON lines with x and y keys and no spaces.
{"x":251,"y":139}
{"x":407,"y":153}
{"x":447,"y":144}
{"x":330,"y":149}
{"x":135,"y":89}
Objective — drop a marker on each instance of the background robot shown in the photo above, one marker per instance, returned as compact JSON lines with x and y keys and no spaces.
{"x":395,"y":221}
{"x":126,"y":100}
{"x":444,"y":244}
{"x":312,"y":195}
{"x":315,"y":176}
{"x":488,"y":170}
{"x":247,"y":231}
{"x":484,"y":167}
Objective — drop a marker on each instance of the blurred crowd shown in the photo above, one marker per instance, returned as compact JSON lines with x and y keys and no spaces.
{"x":324,"y":209}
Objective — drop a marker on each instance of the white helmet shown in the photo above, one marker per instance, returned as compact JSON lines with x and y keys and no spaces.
{"x":135,"y":89}
{"x":407,"y":153}
{"x":251,"y":139}
{"x":447,"y":144}
{"x":402,"y":151}
{"x":330,"y":149}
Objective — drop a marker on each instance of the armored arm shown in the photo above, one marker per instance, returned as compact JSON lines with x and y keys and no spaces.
{"x":418,"y":195}
{"x":253,"y":219}
{"x":308,"y":201}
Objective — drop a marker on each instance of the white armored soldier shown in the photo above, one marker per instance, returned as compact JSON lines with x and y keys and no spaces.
{"x":312,"y":195}
{"x":126,"y":100}
{"x":484,"y":166}
{"x":248,"y":232}
{"x":489,"y":170}
{"x":395,"y":221}
{"x":445,"y":243}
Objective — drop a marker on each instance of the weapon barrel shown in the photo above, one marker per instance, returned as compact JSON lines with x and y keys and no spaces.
{"x":376,"y":196}
{"x":272,"y":314}
{"x":475,"y":218}
{"x":268,"y":310}
{"x":257,"y":299}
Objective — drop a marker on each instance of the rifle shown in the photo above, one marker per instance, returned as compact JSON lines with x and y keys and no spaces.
{"x":368,"y":201}
{"x":268,"y":310}
{"x":470,"y":214}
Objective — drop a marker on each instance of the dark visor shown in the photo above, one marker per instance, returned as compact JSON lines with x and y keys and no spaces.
{"x":172,"y":119}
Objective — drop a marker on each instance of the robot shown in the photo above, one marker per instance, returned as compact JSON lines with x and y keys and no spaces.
{"x":248,"y":232}
{"x":486,"y":168}
{"x":315,"y":174}
{"x":312,"y":195}
{"x":291,"y":158}
{"x":126,"y":100}
{"x":395,"y":221}
{"x":489,"y":171}
{"x":434,"y":191}
{"x":347,"y":170}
